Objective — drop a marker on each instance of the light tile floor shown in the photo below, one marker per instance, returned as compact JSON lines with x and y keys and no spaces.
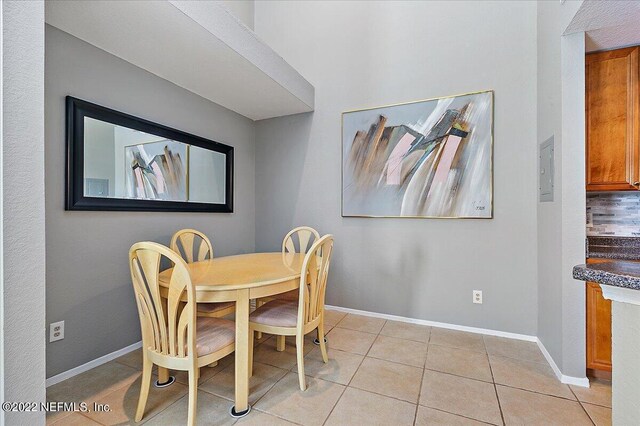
{"x":379,"y":373}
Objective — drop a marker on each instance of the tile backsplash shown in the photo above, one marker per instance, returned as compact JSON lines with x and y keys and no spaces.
{"x":613,"y":213}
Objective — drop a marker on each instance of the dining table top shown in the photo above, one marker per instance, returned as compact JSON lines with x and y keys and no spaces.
{"x":241,"y":271}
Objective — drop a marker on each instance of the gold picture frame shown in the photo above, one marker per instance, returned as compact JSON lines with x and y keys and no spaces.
{"x":479,"y":109}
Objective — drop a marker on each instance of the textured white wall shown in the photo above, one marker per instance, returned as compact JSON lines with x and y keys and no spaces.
{"x":23,"y":217}
{"x":626,"y":371}
{"x":242,"y":9}
{"x":364,"y":54}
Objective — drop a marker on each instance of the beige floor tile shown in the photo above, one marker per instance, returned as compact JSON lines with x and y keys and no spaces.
{"x":210,"y":410}
{"x":308,"y":341}
{"x":124,"y":401}
{"x":90,"y":385}
{"x":388,"y":378}
{"x":266,"y":353}
{"x":74,"y":419}
{"x":457,"y":339}
{"x":133,"y":359}
{"x":264,"y":377}
{"x":205,"y":372}
{"x":460,"y":362}
{"x":311,"y":407}
{"x":405,"y":330}
{"x":599,"y":392}
{"x":459,"y":395}
{"x":357,"y":407}
{"x":431,"y":417}
{"x":601,"y":416}
{"x":362,"y":323}
{"x":93,"y":384}
{"x":352,"y":341}
{"x":258,"y":418}
{"x":399,"y":350}
{"x":340,"y":368}
{"x":511,"y":348}
{"x":333,"y":317}
{"x":533,"y":376}
{"x":521,"y":407}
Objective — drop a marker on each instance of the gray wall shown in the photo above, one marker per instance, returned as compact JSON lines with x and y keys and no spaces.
{"x":23,"y":201}
{"x":88,"y":282}
{"x":549,"y":121}
{"x":560,"y":224}
{"x":375,"y":53}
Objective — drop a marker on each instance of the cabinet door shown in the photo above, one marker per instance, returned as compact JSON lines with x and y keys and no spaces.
{"x":612,"y":120}
{"x":598,"y":329}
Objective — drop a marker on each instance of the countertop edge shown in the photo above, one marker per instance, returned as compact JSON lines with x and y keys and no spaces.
{"x":584,"y":273}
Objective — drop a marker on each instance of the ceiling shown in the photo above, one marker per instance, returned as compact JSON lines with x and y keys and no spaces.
{"x":198,"y":45}
{"x":607,"y":24}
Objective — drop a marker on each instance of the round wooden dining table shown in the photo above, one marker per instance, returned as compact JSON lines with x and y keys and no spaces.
{"x":239,"y":279}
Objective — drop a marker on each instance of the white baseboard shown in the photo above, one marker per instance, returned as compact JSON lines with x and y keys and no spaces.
{"x":468,"y":329}
{"x":570,"y":380}
{"x":91,"y":364}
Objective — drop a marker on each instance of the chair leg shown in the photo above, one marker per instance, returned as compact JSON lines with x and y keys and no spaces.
{"x":323,"y":345}
{"x":250,"y":352}
{"x":280,"y":343}
{"x":144,"y":387}
{"x":300,"y":354}
{"x":193,"y":396}
{"x":258,"y":333}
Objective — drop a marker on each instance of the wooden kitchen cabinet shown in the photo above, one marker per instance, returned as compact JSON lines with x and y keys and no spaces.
{"x":613,"y":120}
{"x":598,"y":326}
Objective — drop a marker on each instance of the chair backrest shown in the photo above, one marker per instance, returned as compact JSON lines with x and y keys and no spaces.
{"x":313,"y":279}
{"x":304,"y":236}
{"x":168,"y":328}
{"x":192,"y":245}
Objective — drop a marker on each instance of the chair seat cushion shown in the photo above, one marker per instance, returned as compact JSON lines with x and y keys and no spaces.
{"x":214,"y":307}
{"x":213,"y":334}
{"x":289,"y":295}
{"x":277,"y":313}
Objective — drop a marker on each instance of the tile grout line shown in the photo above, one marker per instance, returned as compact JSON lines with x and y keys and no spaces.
{"x":418,"y":405}
{"x":348,"y":385}
{"x":493,"y":379}
{"x":424,"y":366}
{"x":582,"y":406}
{"x":278,"y":381}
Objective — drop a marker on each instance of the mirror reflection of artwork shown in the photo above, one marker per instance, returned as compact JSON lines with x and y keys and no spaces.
{"x":156,"y":171}
{"x":429,"y":158}
{"x":120,"y":162}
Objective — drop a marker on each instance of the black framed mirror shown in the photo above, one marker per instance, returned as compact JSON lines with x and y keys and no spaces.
{"x":116,"y":161}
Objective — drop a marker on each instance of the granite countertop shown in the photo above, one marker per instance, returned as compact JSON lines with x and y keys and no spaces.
{"x":617,"y":274}
{"x":623,"y":248}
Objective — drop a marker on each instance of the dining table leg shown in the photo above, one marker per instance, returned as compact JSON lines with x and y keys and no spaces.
{"x":242,"y":407}
{"x":164,"y":379}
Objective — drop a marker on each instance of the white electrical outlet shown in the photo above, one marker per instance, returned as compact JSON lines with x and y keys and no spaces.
{"x":477,"y":296}
{"x":56,"y":331}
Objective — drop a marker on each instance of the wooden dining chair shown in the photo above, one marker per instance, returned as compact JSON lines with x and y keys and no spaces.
{"x":194,"y":246}
{"x":298,"y":318}
{"x":298,"y":240}
{"x":173,"y":337}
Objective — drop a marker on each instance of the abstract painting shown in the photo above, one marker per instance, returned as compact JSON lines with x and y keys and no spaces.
{"x":428,"y":158}
{"x":156,"y":171}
